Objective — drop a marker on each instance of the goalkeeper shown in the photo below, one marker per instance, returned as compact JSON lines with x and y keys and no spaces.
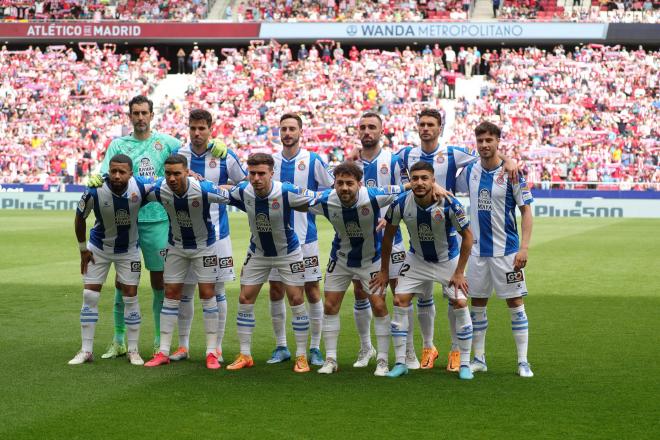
{"x":148,"y":149}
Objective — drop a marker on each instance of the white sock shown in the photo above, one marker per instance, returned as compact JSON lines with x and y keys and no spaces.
{"x":426,"y":316}
{"x":520,"y":328}
{"x":210,"y":308}
{"x":464,"y":333}
{"x":186,"y":313}
{"x":479,"y":326}
{"x":245,"y":327}
{"x":278,"y":316}
{"x":221,"y":299}
{"x":89,"y":316}
{"x":168,"y":317}
{"x":315,"y":323}
{"x":452,"y":327}
{"x":362,"y":314}
{"x":300,"y":324}
{"x":382,"y":330}
{"x":132,"y":318}
{"x":330,"y":335}
{"x":399,"y":326}
{"x":410,"y":339}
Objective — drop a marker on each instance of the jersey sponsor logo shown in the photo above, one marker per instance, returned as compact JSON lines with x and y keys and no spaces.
{"x":210,"y":261}
{"x":136,"y":266}
{"x":122,"y":218}
{"x":398,"y":257}
{"x":311,"y":261}
{"x":438,"y":215}
{"x":262,"y":222}
{"x":424,"y":232}
{"x":183,"y":219}
{"x":384,"y":169}
{"x":195,"y":204}
{"x":276,"y":204}
{"x":515,"y":277}
{"x":484,"y":203}
{"x":440,"y":158}
{"x":371,"y":183}
{"x":353,"y":230}
{"x":145,"y":168}
{"x":158,"y":146}
{"x":302,"y":166}
{"x":365,"y":211}
{"x":213,"y":163}
{"x":225,"y":262}
{"x":297,"y":267}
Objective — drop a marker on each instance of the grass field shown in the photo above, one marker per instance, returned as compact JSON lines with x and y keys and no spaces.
{"x":594,"y":311}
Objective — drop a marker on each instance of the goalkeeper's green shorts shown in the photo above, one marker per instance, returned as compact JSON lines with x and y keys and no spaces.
{"x":153,"y":242}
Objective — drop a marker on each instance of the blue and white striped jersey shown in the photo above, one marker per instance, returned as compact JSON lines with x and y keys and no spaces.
{"x":446,"y":161}
{"x":219,"y":172}
{"x":356,"y":243}
{"x":305,"y":170}
{"x":433,"y":229}
{"x":191,"y":226}
{"x":115,"y":230}
{"x":385,"y":169}
{"x":493,"y":200}
{"x":271,"y":217}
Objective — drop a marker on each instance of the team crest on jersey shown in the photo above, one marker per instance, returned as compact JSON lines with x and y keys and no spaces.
{"x":195,"y":204}
{"x":122,"y":218}
{"x":384,"y":169}
{"x":302,"y":166}
{"x":437,"y":215}
{"x":365,"y":211}
{"x":158,"y":146}
{"x":262,"y":222}
{"x":134,"y":197}
{"x":213,"y":163}
{"x":500,"y":178}
{"x":276,"y":204}
{"x":440,"y":158}
{"x":371,"y":183}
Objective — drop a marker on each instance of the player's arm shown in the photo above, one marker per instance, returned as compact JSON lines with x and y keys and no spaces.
{"x":214,"y":193}
{"x":520,"y":261}
{"x":378,"y":284}
{"x":299,"y":198}
{"x":458,"y":277}
{"x":80,"y":227}
{"x":510,"y":166}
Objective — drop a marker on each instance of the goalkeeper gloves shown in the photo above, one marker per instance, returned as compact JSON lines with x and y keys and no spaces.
{"x":218,"y":148}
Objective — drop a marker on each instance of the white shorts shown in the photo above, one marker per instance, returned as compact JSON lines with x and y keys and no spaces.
{"x":310,"y":253}
{"x":291,"y":268}
{"x":397,"y":257}
{"x":202,"y":262}
{"x":128,"y":267}
{"x":487,"y":273}
{"x":417,"y":277}
{"x":338,"y":276}
{"x":225,"y":263}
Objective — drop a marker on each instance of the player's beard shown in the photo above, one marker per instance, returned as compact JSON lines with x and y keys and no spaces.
{"x":290,"y":143}
{"x":369,"y":144}
{"x":118,"y":187}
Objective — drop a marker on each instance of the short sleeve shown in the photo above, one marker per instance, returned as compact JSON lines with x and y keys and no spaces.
{"x":319,"y":205}
{"x":215,"y":194}
{"x":86,"y":203}
{"x":324,"y":179}
{"x":235,"y":170}
{"x":298,"y":196}
{"x":463,"y":157}
{"x":457,"y":214}
{"x":522,"y":193}
{"x":385,"y":195}
{"x":393,"y":214}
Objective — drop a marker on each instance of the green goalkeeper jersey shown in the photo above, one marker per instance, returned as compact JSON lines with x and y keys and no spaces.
{"x":148,"y":158}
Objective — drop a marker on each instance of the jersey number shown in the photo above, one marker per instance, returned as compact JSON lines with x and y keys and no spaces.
{"x":404,"y":268}
{"x":247,"y":259}
{"x":331,"y":266}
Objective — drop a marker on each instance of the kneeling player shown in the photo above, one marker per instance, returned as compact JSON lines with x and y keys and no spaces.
{"x":433,"y":256}
{"x":113,"y":239}
{"x":497,"y":261}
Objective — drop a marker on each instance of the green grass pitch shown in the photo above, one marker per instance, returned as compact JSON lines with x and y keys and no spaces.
{"x":594,"y":311}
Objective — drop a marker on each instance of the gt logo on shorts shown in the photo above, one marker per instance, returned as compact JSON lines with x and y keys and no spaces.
{"x":515,"y":277}
{"x":297,"y":267}
{"x":163,"y":253}
{"x":372,"y":275}
{"x":210,"y":261}
{"x":398,"y":257}
{"x":136,"y":266}
{"x":311,"y":261}
{"x":226,"y":262}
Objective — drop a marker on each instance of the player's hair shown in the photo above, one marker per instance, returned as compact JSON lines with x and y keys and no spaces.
{"x":348,"y":168}
{"x":200,"y":114}
{"x":486,"y":127}
{"x":261,"y":159}
{"x":141,"y":99}
{"x":122,"y":158}
{"x":292,"y":116}
{"x":372,"y":115}
{"x":176,"y":159}
{"x":430,"y":112}
{"x":421,"y":166}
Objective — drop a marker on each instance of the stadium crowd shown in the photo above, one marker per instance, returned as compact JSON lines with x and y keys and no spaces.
{"x":180,"y":10}
{"x":600,"y":105}
{"x":608,"y":11}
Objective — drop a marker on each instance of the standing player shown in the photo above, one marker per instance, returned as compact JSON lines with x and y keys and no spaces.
{"x":446,"y":161}
{"x":380,"y":168}
{"x":307,"y":170}
{"x":113,"y":239}
{"x":218,"y":172}
{"x":497,"y":259}
{"x":273,"y":245}
{"x":148,"y":149}
{"x":191,"y":247}
{"x":433,"y":256}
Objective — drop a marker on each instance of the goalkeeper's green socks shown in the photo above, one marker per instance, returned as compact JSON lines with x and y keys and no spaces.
{"x":120,"y":325}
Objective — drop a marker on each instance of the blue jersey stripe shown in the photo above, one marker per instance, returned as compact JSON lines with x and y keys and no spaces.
{"x":187,"y":233}
{"x":288,"y":171}
{"x":378,"y":236}
{"x":428,"y":247}
{"x":206,"y":212}
{"x":288,"y":217}
{"x":121,"y":242}
{"x":354,"y":257}
{"x":510,"y":226}
{"x":451,"y":170}
{"x":198,"y":164}
{"x":485,"y":217}
{"x":265,"y":238}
